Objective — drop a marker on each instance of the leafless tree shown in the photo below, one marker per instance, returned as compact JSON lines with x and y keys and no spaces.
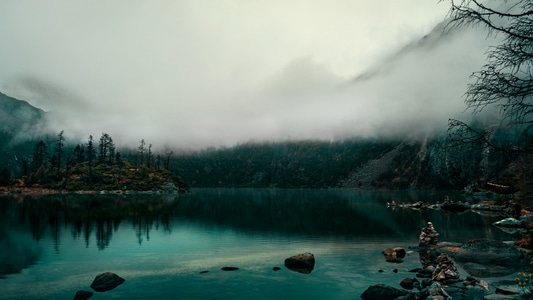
{"x":506,"y":80}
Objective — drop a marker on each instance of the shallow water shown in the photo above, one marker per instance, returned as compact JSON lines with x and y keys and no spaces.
{"x":53,"y":246}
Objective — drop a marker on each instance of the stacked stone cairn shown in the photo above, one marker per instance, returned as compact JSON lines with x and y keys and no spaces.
{"x":428,"y":236}
{"x":446,"y":271}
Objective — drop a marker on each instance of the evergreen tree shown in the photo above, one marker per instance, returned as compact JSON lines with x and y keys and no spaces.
{"x":59,"y":150}
{"x":149,"y":158}
{"x":5,"y":177}
{"x":107,"y":149}
{"x":141,"y":152}
{"x":167,"y":161}
{"x":79,"y":153}
{"x":39,"y":155}
{"x":90,"y":155}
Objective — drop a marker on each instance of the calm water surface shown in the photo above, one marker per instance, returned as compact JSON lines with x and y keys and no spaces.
{"x":53,"y":246}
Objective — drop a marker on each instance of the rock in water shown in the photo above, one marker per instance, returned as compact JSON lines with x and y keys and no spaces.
{"x":106,"y":281}
{"x":409,"y":283}
{"x":395,"y":255}
{"x":382,"y":291}
{"x":83,"y":295}
{"x":301,"y":263}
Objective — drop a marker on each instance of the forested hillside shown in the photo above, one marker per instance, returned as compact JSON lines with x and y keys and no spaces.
{"x":489,"y":149}
{"x":353,"y":163}
{"x":421,"y":162}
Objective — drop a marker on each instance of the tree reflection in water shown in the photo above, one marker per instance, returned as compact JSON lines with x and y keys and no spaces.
{"x":85,"y":214}
{"x":353,"y":215}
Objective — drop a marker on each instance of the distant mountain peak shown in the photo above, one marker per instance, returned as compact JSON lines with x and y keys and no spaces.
{"x":17,"y":116}
{"x":438,"y":35}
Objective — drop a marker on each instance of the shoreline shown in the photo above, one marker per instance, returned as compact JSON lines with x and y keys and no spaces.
{"x":7,"y":191}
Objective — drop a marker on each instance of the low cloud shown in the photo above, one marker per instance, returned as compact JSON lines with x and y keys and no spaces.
{"x":194,"y":74}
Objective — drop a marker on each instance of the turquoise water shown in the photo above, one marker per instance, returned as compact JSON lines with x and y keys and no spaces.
{"x":53,"y":246}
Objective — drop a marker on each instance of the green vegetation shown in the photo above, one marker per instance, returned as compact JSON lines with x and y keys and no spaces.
{"x":308,"y":164}
{"x":282,"y":164}
{"x":525,"y":280}
{"x":90,"y":167}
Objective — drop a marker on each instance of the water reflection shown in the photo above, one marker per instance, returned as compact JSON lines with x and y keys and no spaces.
{"x":350,"y":215}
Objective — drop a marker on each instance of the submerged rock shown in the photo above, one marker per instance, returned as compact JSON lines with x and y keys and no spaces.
{"x":382,"y":291}
{"x":455,"y":206}
{"x":83,"y":295}
{"x":106,"y":281}
{"x":485,"y":251}
{"x":301,"y":263}
{"x":488,"y":258}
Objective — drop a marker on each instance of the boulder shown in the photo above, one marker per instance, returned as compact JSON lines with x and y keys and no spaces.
{"x":455,"y":206}
{"x":485,"y":251}
{"x":509,"y":287}
{"x":170,"y":188}
{"x":83,"y":295}
{"x":301,"y":263}
{"x":509,"y":222}
{"x":409,"y":283}
{"x":383,"y":292}
{"x":488,"y":258}
{"x":436,"y":291}
{"x":416,"y":205}
{"x":394,"y":254}
{"x":488,"y":210}
{"x":487,"y":270}
{"x":525,"y":243}
{"x":106,"y":281}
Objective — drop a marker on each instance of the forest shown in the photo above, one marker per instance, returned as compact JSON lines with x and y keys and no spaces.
{"x":491,"y":150}
{"x":362,"y":163}
{"x":91,"y":166}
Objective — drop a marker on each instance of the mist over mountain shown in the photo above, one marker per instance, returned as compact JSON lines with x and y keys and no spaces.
{"x":413,"y":91}
{"x":303,"y":126}
{"x":221,"y":81}
{"x":19,"y":118}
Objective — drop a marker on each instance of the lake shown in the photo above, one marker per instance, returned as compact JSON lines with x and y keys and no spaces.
{"x":52,"y":246}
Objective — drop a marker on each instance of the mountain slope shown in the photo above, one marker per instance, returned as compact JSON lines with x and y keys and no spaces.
{"x":17,"y":116}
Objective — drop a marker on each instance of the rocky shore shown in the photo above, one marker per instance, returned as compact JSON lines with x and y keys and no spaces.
{"x":488,"y":264}
{"x":167,"y":188}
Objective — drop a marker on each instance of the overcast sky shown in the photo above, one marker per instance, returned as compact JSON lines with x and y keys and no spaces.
{"x":218,"y":72}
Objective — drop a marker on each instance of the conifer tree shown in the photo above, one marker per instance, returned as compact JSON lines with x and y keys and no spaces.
{"x":90,"y":155}
{"x":59,"y":151}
